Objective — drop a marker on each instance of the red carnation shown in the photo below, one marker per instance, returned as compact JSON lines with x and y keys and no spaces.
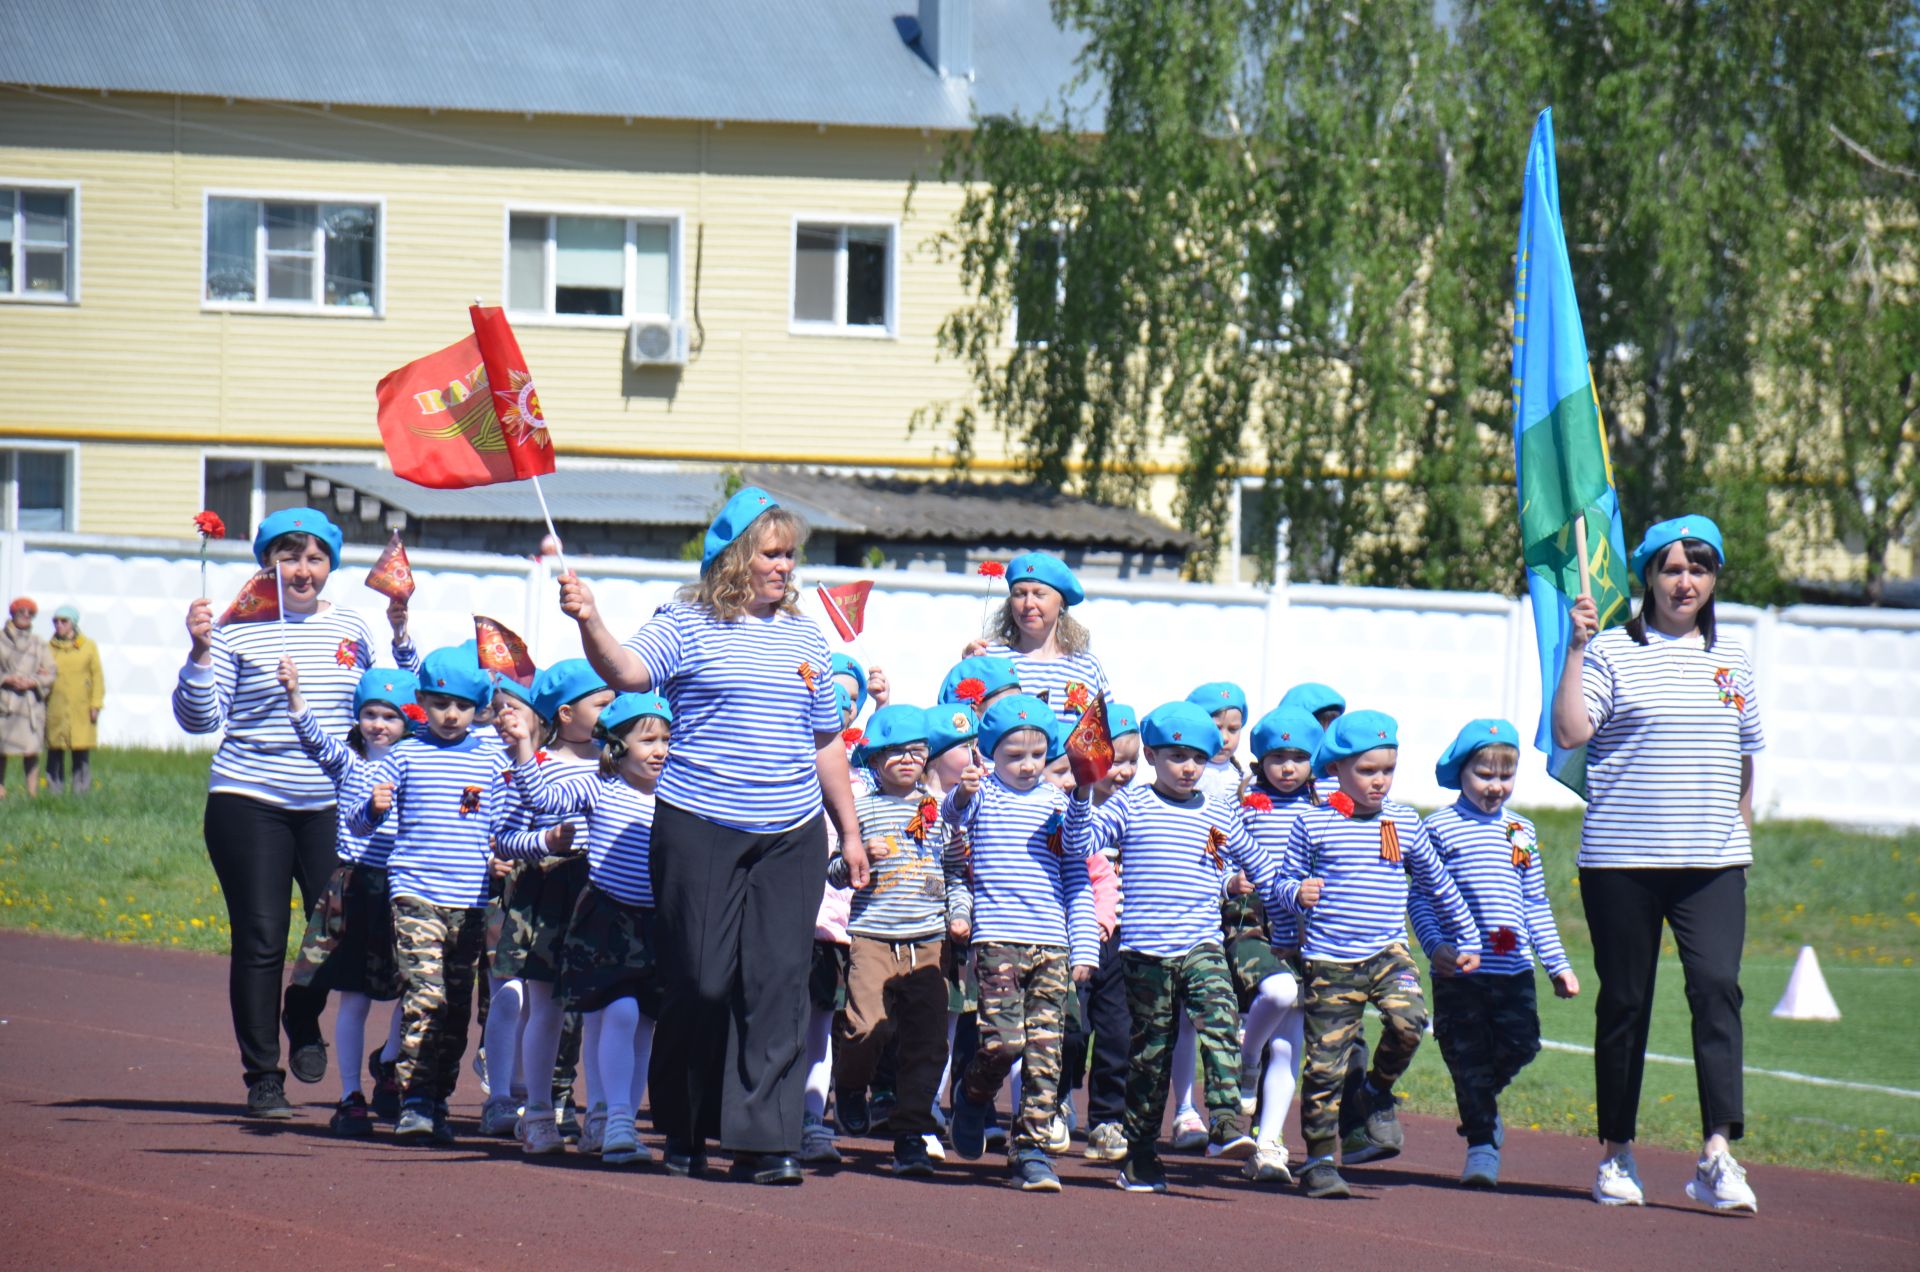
{"x":1341,"y":803}
{"x":972,"y":689}
{"x":1504,"y":941}
{"x":1257,"y":802}
{"x":992,"y":570}
{"x":414,"y":712}
{"x":209,"y":525}
{"x":853,"y":737}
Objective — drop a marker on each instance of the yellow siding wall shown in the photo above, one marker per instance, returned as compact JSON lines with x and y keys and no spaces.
{"x":134,"y":489}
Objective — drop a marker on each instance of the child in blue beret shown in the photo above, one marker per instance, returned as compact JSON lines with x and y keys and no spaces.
{"x":1226,"y":702}
{"x":1488,"y":1021}
{"x":1345,"y":870}
{"x":977,"y":682}
{"x":501,"y":994}
{"x":1320,"y":701}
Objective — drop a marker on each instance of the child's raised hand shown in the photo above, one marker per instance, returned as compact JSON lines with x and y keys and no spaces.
{"x":959,"y":929}
{"x":289,"y":677}
{"x":381,"y":801}
{"x":397,"y":618}
{"x":1586,"y":621}
{"x":877,"y":687}
{"x":576,"y":600}
{"x":200,"y":627}
{"x":1309,"y":894}
{"x":1566,"y":985}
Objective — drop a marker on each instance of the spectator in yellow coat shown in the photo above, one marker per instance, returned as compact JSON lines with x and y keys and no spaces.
{"x":73,"y":706}
{"x":26,"y":674}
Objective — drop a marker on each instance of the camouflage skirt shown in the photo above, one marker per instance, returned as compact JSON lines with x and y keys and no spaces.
{"x":348,"y":945}
{"x":534,"y":909}
{"x":827,"y":978}
{"x":607,"y":954}
{"x":1250,"y":960}
{"x":963,"y":983}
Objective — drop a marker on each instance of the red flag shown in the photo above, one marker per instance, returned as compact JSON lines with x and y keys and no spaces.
{"x":437,"y":421}
{"x":514,"y":401}
{"x":502,"y":651}
{"x":391,"y":575}
{"x":847,"y":606}
{"x":258,"y":602}
{"x":1090,"y":745}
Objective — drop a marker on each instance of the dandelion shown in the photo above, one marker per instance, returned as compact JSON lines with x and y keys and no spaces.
{"x":196,"y":923}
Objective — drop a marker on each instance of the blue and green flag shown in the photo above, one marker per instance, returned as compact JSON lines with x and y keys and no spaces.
{"x":1559,"y":446}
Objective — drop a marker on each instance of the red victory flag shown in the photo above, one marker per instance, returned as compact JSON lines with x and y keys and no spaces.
{"x":515,"y":403}
{"x":1090,"y":745}
{"x":502,"y":651}
{"x":391,"y":575}
{"x":258,"y":602}
{"x":446,"y":425}
{"x":847,"y":606}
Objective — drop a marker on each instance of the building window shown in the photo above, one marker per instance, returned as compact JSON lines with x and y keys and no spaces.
{"x":37,"y":244}
{"x":1039,"y":285}
{"x":565,"y":265}
{"x":246,"y":491}
{"x":843,"y":278}
{"x":38,"y":489}
{"x":287,"y":254}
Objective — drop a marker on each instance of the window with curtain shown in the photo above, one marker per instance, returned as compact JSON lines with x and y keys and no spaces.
{"x":590,"y":266}
{"x":843,"y":278}
{"x":36,"y":244}
{"x":286,"y":253}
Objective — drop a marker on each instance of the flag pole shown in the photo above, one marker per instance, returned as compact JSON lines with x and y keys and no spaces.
{"x":280,"y":599}
{"x":558,"y":550}
{"x":1580,"y":548}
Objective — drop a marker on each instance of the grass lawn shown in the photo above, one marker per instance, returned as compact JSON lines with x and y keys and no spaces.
{"x":127,"y":864}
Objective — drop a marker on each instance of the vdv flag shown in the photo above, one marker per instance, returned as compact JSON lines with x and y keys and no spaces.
{"x":1559,"y":447}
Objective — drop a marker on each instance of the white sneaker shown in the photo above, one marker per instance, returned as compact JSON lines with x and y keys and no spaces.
{"x":1617,"y":1183}
{"x":1483,"y":1167}
{"x":935,"y":1149}
{"x":480,"y":1070}
{"x":816,"y":1143}
{"x":498,"y":1116}
{"x":1721,"y":1182}
{"x":1068,"y":1116}
{"x":1106,"y":1143}
{"x":540,"y":1134}
{"x":1059,"y":1135}
{"x":1268,"y":1165}
{"x":594,"y":1133}
{"x":1499,"y":1132}
{"x":620,"y":1143}
{"x":1189,"y":1133}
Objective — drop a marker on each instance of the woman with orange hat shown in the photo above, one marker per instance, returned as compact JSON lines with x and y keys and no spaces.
{"x":26,"y":677}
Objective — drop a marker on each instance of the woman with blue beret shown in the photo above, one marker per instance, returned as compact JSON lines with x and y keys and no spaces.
{"x":1666,"y":708}
{"x":739,"y":850}
{"x":270,"y":820}
{"x":1049,"y":648}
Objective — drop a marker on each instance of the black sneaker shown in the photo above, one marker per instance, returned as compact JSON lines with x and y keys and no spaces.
{"x":1320,"y":1179}
{"x":1142,"y":1172}
{"x":910,"y":1157}
{"x":879,"y":1112}
{"x":850,"y":1111}
{"x":386,"y":1087}
{"x":306,"y":1050}
{"x":684,"y":1159}
{"x":1379,"y":1137}
{"x":352,"y":1119}
{"x":442,"y":1124}
{"x":267,"y":1098}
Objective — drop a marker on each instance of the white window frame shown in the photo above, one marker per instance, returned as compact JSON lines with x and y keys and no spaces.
{"x":40,"y":185}
{"x":842,"y":221}
{"x":673,"y":218}
{"x":307,"y":309}
{"x":10,"y":484}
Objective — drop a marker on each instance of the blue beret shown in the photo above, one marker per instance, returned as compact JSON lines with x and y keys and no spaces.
{"x":892,"y":725}
{"x":1219,"y":695}
{"x":747,"y":503}
{"x":629,"y":707}
{"x":456,"y":672}
{"x":842,"y":700}
{"x":994,"y":674}
{"x":1122,"y":720}
{"x":1015,"y":711}
{"x":297,"y":521}
{"x":1355,"y":733}
{"x":1038,"y":567}
{"x":390,"y":685}
{"x":1312,"y":698}
{"x":1287,"y":729}
{"x":1478,"y":734}
{"x":1664,"y":534}
{"x":948,"y":726}
{"x":1057,"y":736}
{"x":845,"y":665}
{"x":1181,"y":724}
{"x":514,"y":689}
{"x":565,"y":681}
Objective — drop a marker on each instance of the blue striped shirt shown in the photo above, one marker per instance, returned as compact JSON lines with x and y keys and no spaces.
{"x":1174,"y":860}
{"x":558,"y":767}
{"x":906,"y":894}
{"x":619,"y":823}
{"x":1672,"y":720}
{"x":1011,"y":884}
{"x":748,"y":697}
{"x":1270,"y":829}
{"x":1477,"y":849}
{"x":448,"y":804}
{"x":1052,"y":680}
{"x":260,"y":756}
{"x":348,"y":772}
{"x":1363,"y":900}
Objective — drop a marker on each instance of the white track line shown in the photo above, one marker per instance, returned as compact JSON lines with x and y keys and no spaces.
{"x":1810,"y":1079}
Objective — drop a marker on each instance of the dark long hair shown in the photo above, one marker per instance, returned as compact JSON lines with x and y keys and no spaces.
{"x":1700,"y":553}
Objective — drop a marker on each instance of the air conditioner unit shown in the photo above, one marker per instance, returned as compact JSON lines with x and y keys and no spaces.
{"x":657,"y":342}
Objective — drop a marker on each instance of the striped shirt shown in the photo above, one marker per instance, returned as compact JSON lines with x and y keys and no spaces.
{"x":260,"y":756}
{"x":448,"y":804}
{"x":1174,"y":860}
{"x":906,"y":894}
{"x":1509,"y":903}
{"x":1010,"y":883}
{"x":1270,"y":828}
{"x":1671,"y":721}
{"x":748,"y":697}
{"x":347,"y":771}
{"x":560,"y":770}
{"x":1054,"y":680}
{"x":619,"y":823}
{"x":1363,"y":900}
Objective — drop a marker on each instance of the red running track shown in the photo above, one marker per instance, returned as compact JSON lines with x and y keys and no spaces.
{"x":120,"y":1147}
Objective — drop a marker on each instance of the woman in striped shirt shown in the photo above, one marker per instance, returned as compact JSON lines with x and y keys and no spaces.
{"x":1667,"y":710}
{"x":270,"y":809}
{"x":739,"y":846}
{"x":1049,"y":648}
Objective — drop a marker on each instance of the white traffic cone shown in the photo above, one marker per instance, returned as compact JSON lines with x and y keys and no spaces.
{"x":1807,"y":996}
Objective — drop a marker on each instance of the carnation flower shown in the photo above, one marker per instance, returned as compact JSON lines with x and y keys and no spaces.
{"x":209,"y":525}
{"x":992,"y":570}
{"x":972,"y":689}
{"x":1257,"y":801}
{"x":1341,"y":803}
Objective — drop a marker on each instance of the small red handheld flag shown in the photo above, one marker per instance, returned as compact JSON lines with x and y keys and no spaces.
{"x":1090,"y":745}
{"x":391,"y":575}
{"x":258,"y":602}
{"x":502,"y":651}
{"x":846,"y":605}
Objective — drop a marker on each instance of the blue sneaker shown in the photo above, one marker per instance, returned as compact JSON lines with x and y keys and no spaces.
{"x":416,"y":1119}
{"x":969,"y":1128}
{"x":1033,"y":1172}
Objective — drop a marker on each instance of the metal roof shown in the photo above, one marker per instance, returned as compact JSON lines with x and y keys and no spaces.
{"x":829,"y":61}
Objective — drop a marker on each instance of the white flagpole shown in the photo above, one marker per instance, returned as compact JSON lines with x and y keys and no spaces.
{"x":280,"y":596}
{"x":558,"y":550}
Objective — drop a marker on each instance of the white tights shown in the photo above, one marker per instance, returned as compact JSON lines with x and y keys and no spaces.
{"x":1185,"y":1055}
{"x":540,"y":1044}
{"x":819,"y":1060}
{"x":621,"y":1040}
{"x":502,"y":1038}
{"x":1275,"y":1023}
{"x":350,"y":1040}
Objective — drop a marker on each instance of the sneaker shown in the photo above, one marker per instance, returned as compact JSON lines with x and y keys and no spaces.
{"x":935,"y":1149}
{"x":1483,"y":1167}
{"x":996,"y":1134}
{"x":566,"y":1119}
{"x":911,"y":1160}
{"x":306,"y":1051}
{"x":1379,"y":1137}
{"x":1320,"y":1179}
{"x":879,"y":1112}
{"x":1189,"y":1133}
{"x":1141,"y":1172}
{"x":816,"y":1142}
{"x":850,"y":1111}
{"x":1033,"y":1172}
{"x":416,"y":1120}
{"x":1499,"y":1132}
{"x":497,"y":1117}
{"x":352,"y":1119}
{"x":267,"y":1098}
{"x":1059,"y":1134}
{"x":593,"y":1132}
{"x":620,"y":1143}
{"x":1226,"y":1139}
{"x":1617,"y":1182}
{"x":1268,"y":1166}
{"x":1721,"y":1182}
{"x":386,"y":1087}
{"x":480,"y":1070}
{"x":969,"y":1128}
{"x":442,"y":1124}
{"x":539,"y":1134}
{"x":1106,"y":1143}
{"x":1067,"y":1114}
{"x":1250,"y":1087}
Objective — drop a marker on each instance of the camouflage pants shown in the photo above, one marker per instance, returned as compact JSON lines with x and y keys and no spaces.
{"x":1022,"y":1016}
{"x":1251,"y":960}
{"x":1337,"y":998}
{"x":438,"y":949}
{"x":1199,"y":978}
{"x":1488,"y":1028}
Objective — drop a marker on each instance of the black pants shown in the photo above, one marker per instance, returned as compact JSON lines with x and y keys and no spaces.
{"x":259,"y":852}
{"x":1106,"y":1022}
{"x":1488,"y":1028}
{"x":733,"y":934}
{"x":1707,"y":910}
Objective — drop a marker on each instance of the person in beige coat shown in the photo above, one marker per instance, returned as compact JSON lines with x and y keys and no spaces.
{"x":26,"y":677}
{"x":73,"y":707}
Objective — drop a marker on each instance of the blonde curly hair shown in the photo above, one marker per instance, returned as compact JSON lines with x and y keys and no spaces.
{"x":725,"y":588}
